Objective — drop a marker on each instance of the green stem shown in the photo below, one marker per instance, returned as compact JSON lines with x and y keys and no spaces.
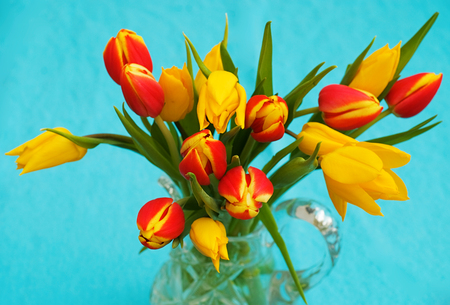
{"x":146,"y":124}
{"x":360,"y":130}
{"x":180,"y":128}
{"x":306,"y":111}
{"x":291,"y":133}
{"x":111,"y":136}
{"x":247,"y":151}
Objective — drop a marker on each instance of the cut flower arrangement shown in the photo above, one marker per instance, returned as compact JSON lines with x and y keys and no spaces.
{"x":207,"y":129}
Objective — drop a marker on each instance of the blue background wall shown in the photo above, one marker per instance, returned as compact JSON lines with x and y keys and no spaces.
{"x":68,"y":234}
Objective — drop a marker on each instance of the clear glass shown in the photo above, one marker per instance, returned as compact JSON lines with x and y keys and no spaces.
{"x":256,"y":272}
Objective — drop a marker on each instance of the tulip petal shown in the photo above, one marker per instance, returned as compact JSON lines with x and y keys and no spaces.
{"x":136,"y":51}
{"x":216,"y":153}
{"x":353,"y":119}
{"x":254,"y":104}
{"x":193,"y":163}
{"x":201,"y":109}
{"x":391,"y":156}
{"x":171,"y":225}
{"x":353,"y":194}
{"x":151,"y":212}
{"x":403,"y":192}
{"x":220,"y":85}
{"x":271,"y":134}
{"x":213,"y":62}
{"x":351,"y":164}
{"x":176,"y":96}
{"x":240,"y":110}
{"x":339,"y":203}
{"x":233,"y":185}
{"x":114,"y":61}
{"x":314,"y":133}
{"x":260,"y":186}
{"x":383,"y":185}
{"x":194,"y":140}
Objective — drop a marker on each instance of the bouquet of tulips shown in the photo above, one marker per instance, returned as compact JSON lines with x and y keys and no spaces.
{"x":207,"y":130}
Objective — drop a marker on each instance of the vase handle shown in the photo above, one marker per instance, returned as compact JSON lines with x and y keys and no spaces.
{"x":291,"y":216}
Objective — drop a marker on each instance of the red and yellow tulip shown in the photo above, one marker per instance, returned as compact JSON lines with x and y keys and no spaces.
{"x":266,"y":116}
{"x":126,"y":48}
{"x":346,"y":108}
{"x":142,"y":92}
{"x":159,"y":221}
{"x":210,"y":239}
{"x":409,"y":96}
{"x":220,"y":98}
{"x":46,"y":150}
{"x":245,"y":193}
{"x":356,"y":172}
{"x":202,"y":156}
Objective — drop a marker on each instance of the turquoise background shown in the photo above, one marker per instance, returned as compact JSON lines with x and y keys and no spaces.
{"x":68,"y":234}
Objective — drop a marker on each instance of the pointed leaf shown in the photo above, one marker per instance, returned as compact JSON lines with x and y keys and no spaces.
{"x":227,"y":62}
{"x":203,"y":199}
{"x":291,"y":97}
{"x":206,"y":72}
{"x":265,"y":62}
{"x":280,"y":155}
{"x":353,"y":68}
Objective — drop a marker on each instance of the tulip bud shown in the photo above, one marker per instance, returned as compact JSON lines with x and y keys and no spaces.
{"x":178,"y":93}
{"x":266,"y":116}
{"x":313,"y":133}
{"x":202,"y":156}
{"x":220,"y":98}
{"x":46,"y":150}
{"x":159,"y":221}
{"x":411,"y":95}
{"x":346,"y":108}
{"x":213,"y":61}
{"x":210,"y":239}
{"x":126,"y":48}
{"x":142,"y":92}
{"x":377,"y":70}
{"x":245,"y":193}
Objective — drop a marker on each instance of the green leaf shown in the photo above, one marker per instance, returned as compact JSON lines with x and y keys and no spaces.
{"x":143,"y":249}
{"x":291,"y":97}
{"x":203,"y":199}
{"x":353,"y":68}
{"x":259,"y":88}
{"x":227,"y":62}
{"x":409,"y":48}
{"x":235,"y":162}
{"x":206,"y":72}
{"x":265,"y":62}
{"x":148,"y":147}
{"x":158,"y":136}
{"x":225,"y":34}
{"x":266,"y":217}
{"x":406,"y":135}
{"x":229,"y":135}
{"x":303,"y":90}
{"x":280,"y":155}
{"x":190,"y":217}
{"x":294,"y":170}
{"x":92,"y":141}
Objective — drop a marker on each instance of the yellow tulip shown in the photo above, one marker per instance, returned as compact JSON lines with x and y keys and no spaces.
{"x":220,"y":98}
{"x":377,"y":70}
{"x":356,"y":172}
{"x":46,"y":150}
{"x":178,"y":93}
{"x":213,"y":62}
{"x":210,"y":239}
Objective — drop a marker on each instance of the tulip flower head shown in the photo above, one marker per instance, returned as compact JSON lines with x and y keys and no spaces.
{"x":409,"y":96}
{"x":346,"y":108}
{"x":266,"y":116}
{"x":142,"y":92}
{"x":213,"y":61}
{"x":210,"y":239}
{"x":220,"y":98}
{"x":178,"y":93}
{"x":202,"y":156}
{"x":377,"y":70}
{"x":245,"y":193}
{"x":356,"y":172}
{"x":159,"y":221}
{"x":126,"y":48}
{"x":46,"y":150}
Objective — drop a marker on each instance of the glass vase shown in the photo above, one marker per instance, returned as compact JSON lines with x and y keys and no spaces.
{"x":256,"y":272}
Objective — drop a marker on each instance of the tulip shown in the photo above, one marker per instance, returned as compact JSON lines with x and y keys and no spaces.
{"x":377,"y":70}
{"x":210,"y":239}
{"x":356,"y":172}
{"x":178,"y":93}
{"x":46,"y":150}
{"x":220,"y":98}
{"x":411,"y":95}
{"x":346,"y":108}
{"x":142,"y":92}
{"x":245,"y":193}
{"x":266,"y":116}
{"x":213,"y":61}
{"x":159,"y":221}
{"x":202,"y":156}
{"x":126,"y":48}
{"x":313,"y":133}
